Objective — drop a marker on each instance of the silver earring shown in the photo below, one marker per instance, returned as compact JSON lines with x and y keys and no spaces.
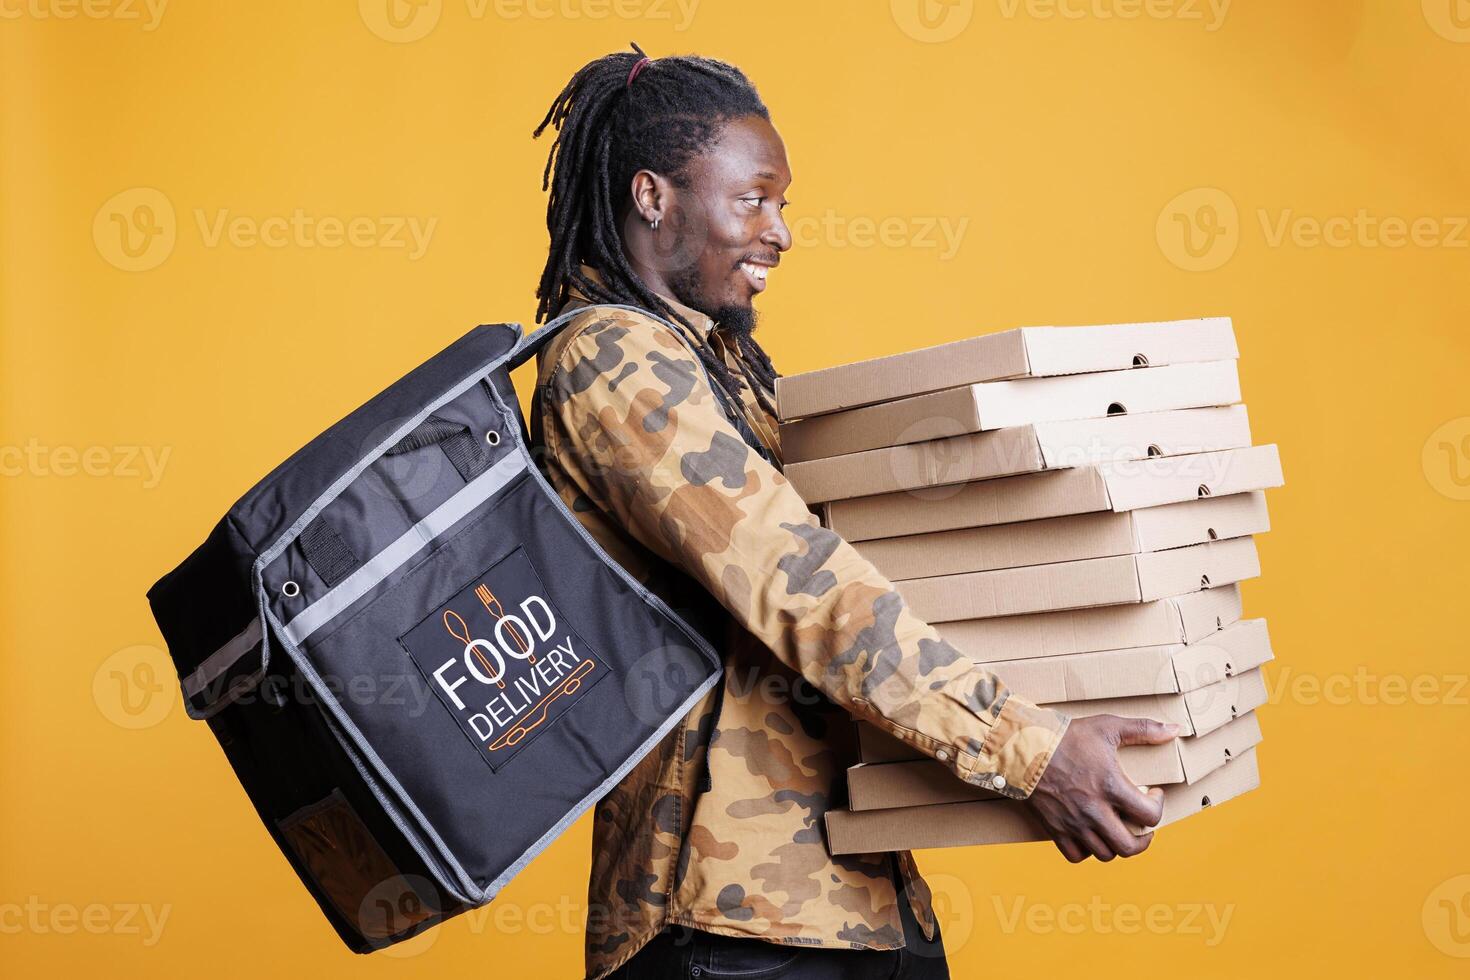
{"x":655,"y":222}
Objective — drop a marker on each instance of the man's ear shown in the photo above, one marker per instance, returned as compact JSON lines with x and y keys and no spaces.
{"x":650,"y":195}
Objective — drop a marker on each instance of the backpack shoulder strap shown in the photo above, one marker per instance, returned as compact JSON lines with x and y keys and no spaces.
{"x":534,"y":342}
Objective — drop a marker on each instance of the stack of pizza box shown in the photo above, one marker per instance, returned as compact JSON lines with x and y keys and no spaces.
{"x":1072,"y":507}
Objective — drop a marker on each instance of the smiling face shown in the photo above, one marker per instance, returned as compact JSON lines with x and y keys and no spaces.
{"x":722,"y":221}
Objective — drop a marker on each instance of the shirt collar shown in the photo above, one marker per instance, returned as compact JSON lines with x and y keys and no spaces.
{"x":701,"y":322}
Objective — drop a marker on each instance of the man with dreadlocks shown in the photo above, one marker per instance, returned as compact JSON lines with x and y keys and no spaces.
{"x":654,"y":411}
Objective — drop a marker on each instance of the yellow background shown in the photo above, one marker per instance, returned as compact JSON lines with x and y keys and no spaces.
{"x":1063,"y":141}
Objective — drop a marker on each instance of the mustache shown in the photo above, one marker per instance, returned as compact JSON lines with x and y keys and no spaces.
{"x":771,"y":260}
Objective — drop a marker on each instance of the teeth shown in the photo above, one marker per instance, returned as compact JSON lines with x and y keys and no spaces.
{"x":757,"y":271}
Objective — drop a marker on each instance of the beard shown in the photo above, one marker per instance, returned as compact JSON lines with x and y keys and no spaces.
{"x":737,"y":321}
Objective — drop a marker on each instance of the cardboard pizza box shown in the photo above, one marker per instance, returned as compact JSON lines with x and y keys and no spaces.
{"x":1196,"y":712}
{"x":1075,"y":537}
{"x":1079,"y":584}
{"x":922,"y":781}
{"x":1177,"y":619}
{"x":1119,"y":675}
{"x":1027,"y":448}
{"x":996,"y":405}
{"x":1023,"y":353}
{"x":1010,"y":821}
{"x":1173,"y":669}
{"x":1114,"y":486}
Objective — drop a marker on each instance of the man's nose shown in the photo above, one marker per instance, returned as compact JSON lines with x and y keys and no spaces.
{"x":776,"y":234}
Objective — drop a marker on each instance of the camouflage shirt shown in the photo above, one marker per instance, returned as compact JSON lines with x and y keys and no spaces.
{"x":720,"y":826}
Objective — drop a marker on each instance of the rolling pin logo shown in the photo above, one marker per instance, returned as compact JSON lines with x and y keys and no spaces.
{"x":512,"y":669}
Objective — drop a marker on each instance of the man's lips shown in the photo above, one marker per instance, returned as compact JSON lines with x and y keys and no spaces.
{"x":755,"y":274}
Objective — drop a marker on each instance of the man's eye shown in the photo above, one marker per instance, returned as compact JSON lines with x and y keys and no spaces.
{"x":754,"y":202}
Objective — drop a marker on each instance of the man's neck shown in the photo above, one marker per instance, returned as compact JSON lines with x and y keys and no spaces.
{"x":658,"y":285}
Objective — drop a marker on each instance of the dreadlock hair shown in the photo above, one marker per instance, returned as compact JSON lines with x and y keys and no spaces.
{"x":612,"y":122}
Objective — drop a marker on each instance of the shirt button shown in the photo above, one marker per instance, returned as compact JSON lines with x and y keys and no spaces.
{"x":942,"y":755}
{"x":999,"y":782}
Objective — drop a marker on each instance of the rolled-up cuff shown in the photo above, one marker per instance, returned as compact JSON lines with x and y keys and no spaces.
{"x":1015,"y":751}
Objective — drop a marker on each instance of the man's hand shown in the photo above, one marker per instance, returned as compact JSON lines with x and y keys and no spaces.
{"x":1084,"y":796}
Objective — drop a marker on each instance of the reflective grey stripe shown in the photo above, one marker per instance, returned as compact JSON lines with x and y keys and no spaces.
{"x":222,"y":659}
{"x":408,"y":544}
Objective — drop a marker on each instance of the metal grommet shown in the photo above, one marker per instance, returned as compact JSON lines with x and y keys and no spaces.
{"x":290,"y":589}
{"x":492,"y":437}
{"x":273,"y":693}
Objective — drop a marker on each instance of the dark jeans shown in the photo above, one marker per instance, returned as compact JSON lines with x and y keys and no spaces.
{"x":679,"y":951}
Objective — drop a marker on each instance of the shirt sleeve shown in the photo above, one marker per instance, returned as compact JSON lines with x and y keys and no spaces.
{"x":641,"y":433}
